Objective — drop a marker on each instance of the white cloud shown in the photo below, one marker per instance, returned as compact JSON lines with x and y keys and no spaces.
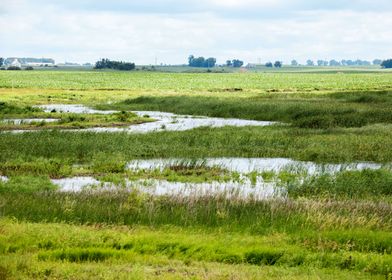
{"x":254,"y":4}
{"x":84,"y":35}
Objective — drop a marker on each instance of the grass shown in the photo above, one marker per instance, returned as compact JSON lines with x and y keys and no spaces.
{"x":61,"y":250}
{"x":61,"y":247}
{"x":329,"y":227}
{"x":354,"y":109}
{"x":103,"y":81}
{"x":338,"y":145}
{"x":348,"y":184}
{"x":65,"y":120}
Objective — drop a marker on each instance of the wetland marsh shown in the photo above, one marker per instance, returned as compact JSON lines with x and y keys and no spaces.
{"x":285,"y":175}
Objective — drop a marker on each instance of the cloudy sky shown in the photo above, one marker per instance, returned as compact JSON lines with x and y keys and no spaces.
{"x":170,"y":30}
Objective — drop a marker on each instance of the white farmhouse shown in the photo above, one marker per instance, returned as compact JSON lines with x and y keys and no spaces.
{"x":16,"y":63}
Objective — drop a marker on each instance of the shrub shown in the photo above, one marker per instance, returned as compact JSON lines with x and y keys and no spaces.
{"x":14,"y":68}
{"x":29,"y":68}
{"x":117,"y":65}
{"x":267,"y":257}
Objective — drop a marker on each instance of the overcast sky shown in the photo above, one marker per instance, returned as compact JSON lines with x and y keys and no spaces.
{"x":170,"y":30}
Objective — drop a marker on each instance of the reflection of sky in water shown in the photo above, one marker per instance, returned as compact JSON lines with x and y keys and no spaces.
{"x":243,"y":188}
{"x":247,"y":165}
{"x":164,"y":121}
{"x":3,"y":179}
{"x":27,"y":121}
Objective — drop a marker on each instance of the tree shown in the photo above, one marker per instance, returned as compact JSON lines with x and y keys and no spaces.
{"x":228,"y":63}
{"x":191,"y":59}
{"x":377,"y":62}
{"x":320,"y":62}
{"x":387,"y":63}
{"x":1,"y":61}
{"x":117,"y":65}
{"x":269,"y":65}
{"x":349,"y":62}
{"x":294,"y":63}
{"x":333,"y":62}
{"x":201,"y":61}
{"x":237,"y":63}
{"x":278,"y":64}
{"x":210,"y":62}
{"x":309,"y":62}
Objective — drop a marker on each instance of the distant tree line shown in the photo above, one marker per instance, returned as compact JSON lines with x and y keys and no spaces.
{"x":334,"y":62}
{"x":277,"y":64}
{"x":117,"y":65}
{"x":386,"y":63}
{"x":236,"y":63}
{"x":201,"y":61}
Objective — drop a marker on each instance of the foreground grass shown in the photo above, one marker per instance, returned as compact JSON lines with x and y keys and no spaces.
{"x":66,"y":251}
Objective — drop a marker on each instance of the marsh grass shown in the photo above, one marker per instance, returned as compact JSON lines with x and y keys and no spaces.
{"x":65,"y":120}
{"x":365,"y":144}
{"x":101,"y":244}
{"x":26,"y":185}
{"x":376,"y":184}
{"x":329,"y":227}
{"x":334,"y":110}
{"x":133,"y":208}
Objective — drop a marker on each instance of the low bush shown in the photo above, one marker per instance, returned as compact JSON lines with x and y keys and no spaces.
{"x":14,"y":68}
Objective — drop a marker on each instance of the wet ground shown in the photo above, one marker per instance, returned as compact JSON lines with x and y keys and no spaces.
{"x":243,"y":188}
{"x":28,"y":121}
{"x":3,"y":179}
{"x":164,"y":121}
{"x":248,"y":165}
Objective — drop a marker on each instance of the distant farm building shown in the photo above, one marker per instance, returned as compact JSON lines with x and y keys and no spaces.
{"x":19,"y":62}
{"x":16,"y":63}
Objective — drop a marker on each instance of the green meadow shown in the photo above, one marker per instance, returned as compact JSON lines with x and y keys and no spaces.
{"x":326,"y":226}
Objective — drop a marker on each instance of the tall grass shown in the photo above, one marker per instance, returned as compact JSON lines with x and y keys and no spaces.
{"x":335,"y":110}
{"x":348,"y":184}
{"x":206,"y":212}
{"x":66,"y":246}
{"x":367,"y":144}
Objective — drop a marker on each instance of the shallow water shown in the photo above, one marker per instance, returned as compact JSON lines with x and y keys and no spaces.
{"x":4,"y":179}
{"x":72,"y":108}
{"x":75,"y":183}
{"x":28,"y":121}
{"x":248,"y":165}
{"x":242,"y":189}
{"x":164,"y":121}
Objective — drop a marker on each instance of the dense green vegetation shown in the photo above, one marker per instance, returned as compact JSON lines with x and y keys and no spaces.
{"x":279,"y":82}
{"x":328,"y":226}
{"x":354,"y":109}
{"x":347,"y":145}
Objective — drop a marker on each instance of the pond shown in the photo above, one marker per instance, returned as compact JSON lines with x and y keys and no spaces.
{"x":242,"y":189}
{"x":248,"y":165}
{"x":164,"y":121}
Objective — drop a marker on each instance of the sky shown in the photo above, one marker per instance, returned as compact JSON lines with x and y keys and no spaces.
{"x":168,"y":31}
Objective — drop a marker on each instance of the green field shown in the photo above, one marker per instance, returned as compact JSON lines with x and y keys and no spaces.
{"x":328,"y":226}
